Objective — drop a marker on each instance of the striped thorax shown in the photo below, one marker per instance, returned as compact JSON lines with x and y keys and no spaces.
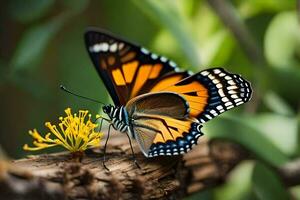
{"x":119,"y":118}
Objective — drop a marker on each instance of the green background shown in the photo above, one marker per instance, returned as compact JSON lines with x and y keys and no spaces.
{"x":42,"y":46}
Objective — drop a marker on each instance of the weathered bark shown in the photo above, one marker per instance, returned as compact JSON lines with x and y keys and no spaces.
{"x":61,"y":176}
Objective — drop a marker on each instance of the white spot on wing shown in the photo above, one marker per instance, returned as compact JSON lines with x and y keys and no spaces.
{"x":121,"y":45}
{"x":239,"y":103}
{"x":211,"y":76}
{"x":232,"y":87}
{"x":221,"y":92}
{"x":145,"y":51}
{"x":215,"y":81}
{"x":96,"y":48}
{"x":219,"y":85}
{"x":104,"y":47}
{"x":217,"y":71}
{"x":231,"y":82}
{"x":219,"y":107}
{"x":228,"y":104}
{"x":173,"y":64}
{"x":213,"y":112}
{"x":229,"y":107}
{"x":204,"y":73}
{"x":208,"y":116}
{"x":154,"y":56}
{"x":113,"y":47}
{"x":163,"y":59}
{"x":228,"y":77}
{"x":225,"y":99}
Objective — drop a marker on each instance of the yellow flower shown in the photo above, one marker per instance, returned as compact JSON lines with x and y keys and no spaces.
{"x":74,"y":132}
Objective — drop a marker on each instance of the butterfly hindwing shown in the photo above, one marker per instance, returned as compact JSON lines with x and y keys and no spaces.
{"x":127,"y":70}
{"x":161,"y":124}
{"x":226,"y":91}
{"x":211,"y":92}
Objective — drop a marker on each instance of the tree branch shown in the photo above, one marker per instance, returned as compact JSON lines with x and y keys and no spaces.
{"x":61,"y":175}
{"x":290,"y":173}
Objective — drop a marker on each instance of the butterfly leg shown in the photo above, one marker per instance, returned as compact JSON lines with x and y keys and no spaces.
{"x":101,"y":122}
{"x":104,"y":151}
{"x":132,"y":152}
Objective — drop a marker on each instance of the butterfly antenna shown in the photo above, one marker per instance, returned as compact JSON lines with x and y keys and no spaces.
{"x":62,"y":87}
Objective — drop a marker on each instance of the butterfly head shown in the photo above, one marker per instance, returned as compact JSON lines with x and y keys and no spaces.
{"x":107,"y":109}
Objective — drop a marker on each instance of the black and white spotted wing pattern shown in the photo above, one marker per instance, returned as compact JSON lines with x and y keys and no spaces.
{"x":179,"y":146}
{"x":225,"y":90}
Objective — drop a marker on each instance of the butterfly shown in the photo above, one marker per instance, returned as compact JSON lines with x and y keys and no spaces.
{"x":160,"y":106}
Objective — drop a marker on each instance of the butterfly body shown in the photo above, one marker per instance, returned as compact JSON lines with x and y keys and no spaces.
{"x":119,"y":118}
{"x":157,"y":104}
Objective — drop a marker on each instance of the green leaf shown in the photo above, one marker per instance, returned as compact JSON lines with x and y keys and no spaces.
{"x":76,"y":6}
{"x":277,"y":104}
{"x":32,"y":86}
{"x":295,"y":191}
{"x":254,"y":7}
{"x":33,"y":43}
{"x":165,"y":15}
{"x":282,"y":39}
{"x":29,"y":10}
{"x":285,"y":82}
{"x":238,"y":183}
{"x":267,"y":185}
{"x":278,"y":129}
{"x":166,"y":44}
{"x":298,"y":133}
{"x":237,"y":129}
{"x":217,"y":49}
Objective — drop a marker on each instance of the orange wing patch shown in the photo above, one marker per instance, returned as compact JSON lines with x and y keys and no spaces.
{"x":166,"y":82}
{"x":155,"y":71}
{"x":194,"y":92}
{"x":118,"y":77}
{"x":145,"y":72}
{"x":127,"y":57}
{"x":141,"y":79}
{"x":174,"y":129}
{"x":129,"y":70}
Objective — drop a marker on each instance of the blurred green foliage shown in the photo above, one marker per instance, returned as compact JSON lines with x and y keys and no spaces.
{"x":42,"y":46}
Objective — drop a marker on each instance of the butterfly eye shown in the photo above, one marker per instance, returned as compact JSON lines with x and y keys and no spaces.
{"x":106,"y":109}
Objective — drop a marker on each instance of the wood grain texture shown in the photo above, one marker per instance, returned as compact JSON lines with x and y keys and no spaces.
{"x":63,"y":176}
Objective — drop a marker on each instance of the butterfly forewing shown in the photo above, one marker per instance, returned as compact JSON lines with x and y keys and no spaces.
{"x":127,"y":70}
